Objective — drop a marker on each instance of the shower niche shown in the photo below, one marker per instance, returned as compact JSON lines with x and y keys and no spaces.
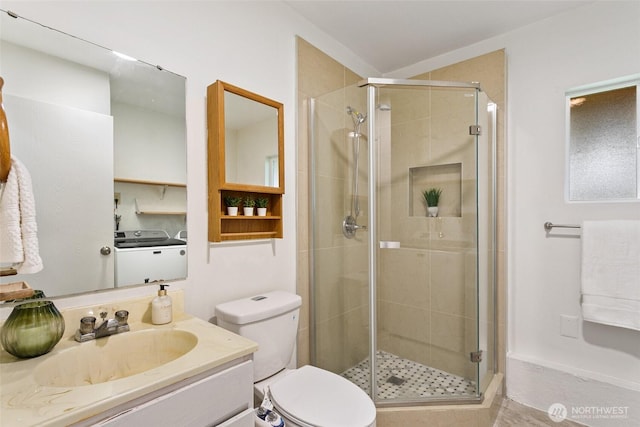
{"x":447,"y":177}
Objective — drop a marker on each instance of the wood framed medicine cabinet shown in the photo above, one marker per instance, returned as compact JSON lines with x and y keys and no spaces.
{"x":245,"y":158}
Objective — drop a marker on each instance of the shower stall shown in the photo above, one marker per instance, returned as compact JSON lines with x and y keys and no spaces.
{"x":402,"y":303}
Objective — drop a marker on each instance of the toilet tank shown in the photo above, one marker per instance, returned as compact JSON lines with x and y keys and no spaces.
{"x":269,"y":319}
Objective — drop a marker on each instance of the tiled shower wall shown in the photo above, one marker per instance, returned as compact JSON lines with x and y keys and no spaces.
{"x":434,"y":313}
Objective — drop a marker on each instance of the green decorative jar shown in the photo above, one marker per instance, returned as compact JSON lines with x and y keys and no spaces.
{"x":32,"y":329}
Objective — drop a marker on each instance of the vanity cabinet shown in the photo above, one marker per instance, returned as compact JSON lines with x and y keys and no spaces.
{"x":245,"y":158}
{"x":222,"y":397}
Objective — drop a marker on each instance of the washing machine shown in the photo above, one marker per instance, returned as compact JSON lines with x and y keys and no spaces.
{"x":144,"y":256}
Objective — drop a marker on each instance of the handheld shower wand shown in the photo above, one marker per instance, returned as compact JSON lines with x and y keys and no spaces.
{"x":349,"y":225}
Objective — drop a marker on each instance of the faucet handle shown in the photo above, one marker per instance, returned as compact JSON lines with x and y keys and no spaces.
{"x":87,"y":324}
{"x":122,"y":316}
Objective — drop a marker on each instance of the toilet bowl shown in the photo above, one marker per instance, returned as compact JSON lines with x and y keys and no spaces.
{"x":304,"y":397}
{"x":311,"y":396}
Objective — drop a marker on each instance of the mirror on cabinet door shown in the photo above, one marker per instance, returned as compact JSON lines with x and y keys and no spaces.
{"x":245,"y":162}
{"x":103,"y":136}
{"x":250,"y":141}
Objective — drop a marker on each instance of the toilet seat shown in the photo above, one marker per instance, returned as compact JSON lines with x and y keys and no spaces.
{"x":317,"y":398}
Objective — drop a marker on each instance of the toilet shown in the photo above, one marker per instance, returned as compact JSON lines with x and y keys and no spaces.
{"x":304,"y":397}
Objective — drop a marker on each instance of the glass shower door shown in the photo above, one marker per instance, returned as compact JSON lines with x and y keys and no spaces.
{"x":427,"y":270}
{"x":340,"y":334}
{"x":410,"y":292}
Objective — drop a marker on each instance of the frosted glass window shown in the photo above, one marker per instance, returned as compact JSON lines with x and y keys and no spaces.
{"x":603,"y":144}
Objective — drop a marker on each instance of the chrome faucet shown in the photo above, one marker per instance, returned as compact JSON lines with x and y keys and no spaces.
{"x":88,"y":330}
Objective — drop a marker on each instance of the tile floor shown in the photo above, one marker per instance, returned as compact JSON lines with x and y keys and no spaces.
{"x":404,"y":378}
{"x":398,"y":377}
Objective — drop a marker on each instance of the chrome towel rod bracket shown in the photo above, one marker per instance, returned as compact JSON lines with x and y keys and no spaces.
{"x":548,"y":226}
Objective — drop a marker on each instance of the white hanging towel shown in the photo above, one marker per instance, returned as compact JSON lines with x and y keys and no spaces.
{"x":611,"y":273}
{"x":18,"y":228}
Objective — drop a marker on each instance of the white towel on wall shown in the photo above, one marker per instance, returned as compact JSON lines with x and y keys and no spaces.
{"x":611,"y":272}
{"x":18,"y":228}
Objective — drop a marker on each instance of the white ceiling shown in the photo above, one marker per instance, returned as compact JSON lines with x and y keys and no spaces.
{"x":389,"y":35}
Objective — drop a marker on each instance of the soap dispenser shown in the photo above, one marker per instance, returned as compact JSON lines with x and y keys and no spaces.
{"x":161,"y":307}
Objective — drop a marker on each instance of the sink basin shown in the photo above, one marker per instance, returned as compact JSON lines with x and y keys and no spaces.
{"x":114,"y":357}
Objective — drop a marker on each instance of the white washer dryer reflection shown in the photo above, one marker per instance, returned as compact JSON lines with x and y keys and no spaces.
{"x":144,"y":256}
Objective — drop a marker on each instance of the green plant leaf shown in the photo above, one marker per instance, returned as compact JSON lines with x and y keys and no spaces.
{"x":432,"y":196}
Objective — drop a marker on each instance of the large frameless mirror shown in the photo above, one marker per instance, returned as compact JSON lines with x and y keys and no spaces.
{"x":103,"y":136}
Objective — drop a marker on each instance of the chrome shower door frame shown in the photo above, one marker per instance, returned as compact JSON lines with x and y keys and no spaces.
{"x":372,"y":86}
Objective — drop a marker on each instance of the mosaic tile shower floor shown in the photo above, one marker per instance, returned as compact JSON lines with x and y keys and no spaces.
{"x":404,"y":378}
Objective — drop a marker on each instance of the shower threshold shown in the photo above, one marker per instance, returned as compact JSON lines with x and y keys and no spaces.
{"x":400,"y":378}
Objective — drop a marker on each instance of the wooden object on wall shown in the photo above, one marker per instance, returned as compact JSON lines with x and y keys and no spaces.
{"x":15,"y":290}
{"x":223,"y":227}
{"x":5,"y":146}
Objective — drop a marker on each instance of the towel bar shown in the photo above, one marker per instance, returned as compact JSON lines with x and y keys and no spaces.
{"x":548,"y":226}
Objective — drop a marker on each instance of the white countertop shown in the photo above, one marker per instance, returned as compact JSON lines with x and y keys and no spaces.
{"x":24,"y":402}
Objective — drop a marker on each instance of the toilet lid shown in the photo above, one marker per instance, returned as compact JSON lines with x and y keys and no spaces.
{"x":321,"y":398}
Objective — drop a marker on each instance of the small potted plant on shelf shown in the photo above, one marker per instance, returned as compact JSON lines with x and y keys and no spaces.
{"x":432,"y":198}
{"x":248,"y":204}
{"x":232,"y":203}
{"x":261,"y":204}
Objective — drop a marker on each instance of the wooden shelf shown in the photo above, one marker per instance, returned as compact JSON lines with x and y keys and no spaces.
{"x":249,"y":236}
{"x":15,"y":290}
{"x":155,"y":211}
{"x":145,"y":182}
{"x":223,"y":227}
{"x":250,"y":218}
{"x":161,"y":213}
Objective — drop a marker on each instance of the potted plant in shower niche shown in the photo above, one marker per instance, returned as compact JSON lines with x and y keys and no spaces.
{"x":432,"y":198}
{"x":232,"y":203}
{"x":261,"y":205}
{"x":248,"y":205}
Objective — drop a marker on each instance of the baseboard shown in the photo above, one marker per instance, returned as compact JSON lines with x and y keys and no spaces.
{"x":578,"y":397}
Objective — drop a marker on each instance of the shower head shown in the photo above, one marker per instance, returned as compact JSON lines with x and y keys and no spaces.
{"x":358,"y":118}
{"x":384,"y":107}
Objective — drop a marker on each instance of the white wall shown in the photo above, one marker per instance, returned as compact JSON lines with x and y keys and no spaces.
{"x":593,"y":43}
{"x":602,"y":42}
{"x":248,"y":44}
